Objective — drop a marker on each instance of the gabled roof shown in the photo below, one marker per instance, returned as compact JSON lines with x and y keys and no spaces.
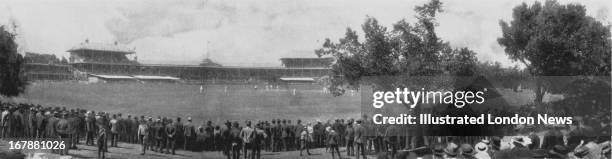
{"x":118,"y":48}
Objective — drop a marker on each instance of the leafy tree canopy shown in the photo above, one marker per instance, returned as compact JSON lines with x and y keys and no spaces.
{"x":12,"y":80}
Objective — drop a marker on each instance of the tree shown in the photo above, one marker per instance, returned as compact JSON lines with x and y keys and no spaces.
{"x":461,"y":62}
{"x":64,"y":61}
{"x":406,"y":56}
{"x":12,"y":79}
{"x":408,"y":49}
{"x":556,"y":40}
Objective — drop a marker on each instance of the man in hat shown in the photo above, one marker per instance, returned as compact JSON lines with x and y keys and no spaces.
{"x":101,"y":140}
{"x":236,"y":141}
{"x":159,"y":135}
{"x":305,"y":140}
{"x":127,"y":128}
{"x":30,"y":118}
{"x":333,"y":140}
{"x":90,"y":127}
{"x":319,"y":132}
{"x":495,"y":145}
{"x":276,"y":130}
{"x":467,"y":151}
{"x":246,"y":134}
{"x":209,"y":140}
{"x":180,"y":132}
{"x":451,"y":150}
{"x":171,"y":128}
{"x":259,"y":136}
{"x":103,"y":125}
{"x":114,"y":130}
{"x":41,"y":118}
{"x":73,"y":130}
{"x":152,"y":140}
{"x":136,"y":123}
{"x":482,"y":151}
{"x":143,"y":135}
{"x":290,"y":136}
{"x":391,"y":139}
{"x":62,"y":128}
{"x":284,"y":135}
{"x":360,"y":139}
{"x":227,"y":139}
{"x":519,"y":150}
{"x":189,"y":133}
{"x":350,"y":138}
{"x":268,"y":141}
{"x":438,"y":151}
{"x":17,"y":126}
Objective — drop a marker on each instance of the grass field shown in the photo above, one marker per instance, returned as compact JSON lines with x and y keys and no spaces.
{"x":239,"y":102}
{"x":215,"y":103}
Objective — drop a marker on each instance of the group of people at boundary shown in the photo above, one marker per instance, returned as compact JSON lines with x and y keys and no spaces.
{"x":247,"y":139}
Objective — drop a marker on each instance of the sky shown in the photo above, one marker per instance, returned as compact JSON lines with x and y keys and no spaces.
{"x":247,"y":32}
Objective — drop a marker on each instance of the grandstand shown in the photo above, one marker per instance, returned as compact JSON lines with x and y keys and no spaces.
{"x":46,"y":67}
{"x":98,"y":60}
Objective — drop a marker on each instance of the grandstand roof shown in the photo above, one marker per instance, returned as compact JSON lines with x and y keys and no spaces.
{"x":135,"y":77}
{"x":307,"y":62}
{"x":298,"y":79}
{"x":111,"y":76}
{"x":173,"y":65}
{"x":141,"y":77}
{"x":117,"y":48}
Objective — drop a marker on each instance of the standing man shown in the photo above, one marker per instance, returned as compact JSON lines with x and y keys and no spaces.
{"x":284,"y":135}
{"x":333,"y":140}
{"x":159,"y":136}
{"x":236,"y":142}
{"x":297,"y":130}
{"x":103,"y":125}
{"x":189,"y":132}
{"x":305,"y":140}
{"x":136,"y":123}
{"x":350,"y":138}
{"x":360,"y":139}
{"x":209,"y":140}
{"x":143,"y":135}
{"x":73,"y":129}
{"x":247,"y":136}
{"x":290,"y":137}
{"x":319,"y":131}
{"x":30,"y":123}
{"x":227,"y":139}
{"x":114,"y":129}
{"x":4,"y":122}
{"x":62,"y":128}
{"x":40,"y":124}
{"x":127,"y":128}
{"x":392,"y":139}
{"x":101,"y":141}
{"x":268,"y":141}
{"x":274,"y":134}
{"x":171,"y":135}
{"x":259,"y":136}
